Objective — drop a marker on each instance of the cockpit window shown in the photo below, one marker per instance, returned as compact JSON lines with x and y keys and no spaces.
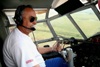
{"x":65,"y":28}
{"x":88,"y":22}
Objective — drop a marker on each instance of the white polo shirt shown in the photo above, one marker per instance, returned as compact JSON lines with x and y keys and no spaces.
{"x":20,"y":51}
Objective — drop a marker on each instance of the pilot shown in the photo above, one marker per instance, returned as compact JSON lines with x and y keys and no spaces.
{"x":19,"y":49}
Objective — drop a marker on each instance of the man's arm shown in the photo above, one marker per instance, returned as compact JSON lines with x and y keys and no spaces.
{"x":43,"y":50}
{"x":55,"y":47}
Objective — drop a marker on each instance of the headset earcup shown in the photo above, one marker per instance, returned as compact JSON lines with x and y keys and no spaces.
{"x":20,"y":20}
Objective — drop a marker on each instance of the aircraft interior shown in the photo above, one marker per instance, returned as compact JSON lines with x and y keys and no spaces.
{"x":81,"y":48}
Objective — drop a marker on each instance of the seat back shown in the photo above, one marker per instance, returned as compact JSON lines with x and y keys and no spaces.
{"x":2,"y":64}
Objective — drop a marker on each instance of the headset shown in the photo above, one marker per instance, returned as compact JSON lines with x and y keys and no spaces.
{"x":18,"y":16}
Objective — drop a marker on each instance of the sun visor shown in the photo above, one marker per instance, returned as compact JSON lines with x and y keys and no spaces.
{"x":68,"y":6}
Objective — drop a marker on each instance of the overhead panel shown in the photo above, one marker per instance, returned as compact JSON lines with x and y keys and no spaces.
{"x":6,"y":4}
{"x":68,"y":6}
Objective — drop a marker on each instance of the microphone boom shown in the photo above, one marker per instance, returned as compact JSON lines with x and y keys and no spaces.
{"x":33,"y":29}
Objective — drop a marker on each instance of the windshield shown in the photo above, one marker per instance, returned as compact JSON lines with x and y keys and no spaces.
{"x":86,"y":20}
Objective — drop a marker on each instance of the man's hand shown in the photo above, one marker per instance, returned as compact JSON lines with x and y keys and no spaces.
{"x":56,"y":47}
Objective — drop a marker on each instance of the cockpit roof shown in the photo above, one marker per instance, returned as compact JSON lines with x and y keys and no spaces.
{"x":12,"y":4}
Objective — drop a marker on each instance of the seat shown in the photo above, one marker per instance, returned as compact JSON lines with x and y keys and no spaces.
{"x":2,"y":64}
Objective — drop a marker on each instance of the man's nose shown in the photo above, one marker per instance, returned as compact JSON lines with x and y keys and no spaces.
{"x":35,"y":22}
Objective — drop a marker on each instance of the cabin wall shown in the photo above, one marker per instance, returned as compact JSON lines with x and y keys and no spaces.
{"x":4,"y":23}
{"x":4,"y":31}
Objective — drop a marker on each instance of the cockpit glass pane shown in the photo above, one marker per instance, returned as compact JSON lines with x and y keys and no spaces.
{"x":88,"y":22}
{"x":42,"y":31}
{"x":64,"y":27}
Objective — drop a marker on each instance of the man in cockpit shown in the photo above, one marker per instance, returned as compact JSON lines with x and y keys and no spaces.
{"x":19,"y":49}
